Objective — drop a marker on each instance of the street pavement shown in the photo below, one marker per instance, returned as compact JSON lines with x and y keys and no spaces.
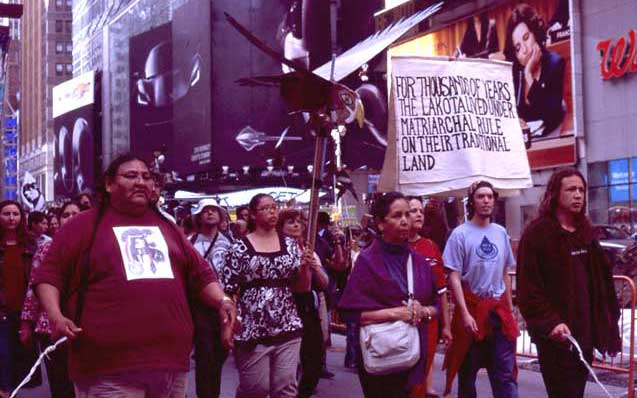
{"x":345,"y":382}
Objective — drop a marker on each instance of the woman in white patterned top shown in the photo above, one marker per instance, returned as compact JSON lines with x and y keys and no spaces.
{"x":262,"y":271}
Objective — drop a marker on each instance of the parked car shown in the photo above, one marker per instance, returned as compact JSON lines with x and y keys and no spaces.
{"x":613,"y":240}
{"x":621,"y":249}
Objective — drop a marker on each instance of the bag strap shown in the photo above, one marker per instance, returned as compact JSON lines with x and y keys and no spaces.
{"x":410,"y":279}
{"x":205,"y":256}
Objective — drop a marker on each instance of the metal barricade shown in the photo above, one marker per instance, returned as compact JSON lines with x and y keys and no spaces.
{"x":624,"y":361}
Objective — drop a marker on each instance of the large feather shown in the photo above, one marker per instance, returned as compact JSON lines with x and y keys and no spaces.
{"x":367,"y":49}
{"x":265,"y":48}
{"x":268,"y":81}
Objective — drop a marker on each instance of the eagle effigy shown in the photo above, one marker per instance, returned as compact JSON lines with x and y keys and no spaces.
{"x":328,"y":103}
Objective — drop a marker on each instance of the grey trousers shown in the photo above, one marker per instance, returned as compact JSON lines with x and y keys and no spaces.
{"x":140,"y":384}
{"x":268,"y":370}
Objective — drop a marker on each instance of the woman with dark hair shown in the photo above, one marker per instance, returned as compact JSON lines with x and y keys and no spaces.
{"x":291,"y":224}
{"x":262,"y":270}
{"x":34,"y":318}
{"x":429,"y":250}
{"x":377,"y":292}
{"x":38,"y":226}
{"x":16,"y":254}
{"x":84,"y":200}
{"x":538,"y":74}
{"x":54,"y":223}
{"x":481,"y":37}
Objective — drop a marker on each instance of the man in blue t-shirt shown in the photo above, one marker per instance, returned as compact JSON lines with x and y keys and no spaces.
{"x":479,"y":256}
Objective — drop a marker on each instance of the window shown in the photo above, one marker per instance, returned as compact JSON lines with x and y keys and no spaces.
{"x":69,"y":26}
{"x":59,"y":47}
{"x":59,"y":69}
{"x":612,"y":193}
{"x":59,"y":4}
{"x":59,"y":26}
{"x":69,"y":47}
{"x":69,"y":3}
{"x":69,"y":69}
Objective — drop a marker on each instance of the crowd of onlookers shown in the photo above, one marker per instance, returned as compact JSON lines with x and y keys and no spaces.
{"x":27,"y":237}
{"x":24,"y":240}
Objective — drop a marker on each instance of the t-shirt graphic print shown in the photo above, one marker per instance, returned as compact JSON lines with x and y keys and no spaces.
{"x":487,"y":250}
{"x":144,"y":252}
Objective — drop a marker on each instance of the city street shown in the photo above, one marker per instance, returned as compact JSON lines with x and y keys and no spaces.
{"x":345,"y":382}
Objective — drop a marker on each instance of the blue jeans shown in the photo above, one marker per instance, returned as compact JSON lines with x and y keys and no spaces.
{"x":8,"y":341}
{"x":495,"y":353}
{"x":353,"y":345}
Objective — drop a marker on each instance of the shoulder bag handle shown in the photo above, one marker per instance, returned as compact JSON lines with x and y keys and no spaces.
{"x":410,"y":279}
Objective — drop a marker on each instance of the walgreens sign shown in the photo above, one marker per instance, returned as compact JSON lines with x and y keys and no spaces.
{"x":619,"y":58}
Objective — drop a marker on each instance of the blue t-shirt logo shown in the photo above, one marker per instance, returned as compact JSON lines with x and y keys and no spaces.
{"x":487,"y":250}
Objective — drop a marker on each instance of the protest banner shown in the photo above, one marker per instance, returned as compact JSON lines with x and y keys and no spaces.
{"x":453,"y":122}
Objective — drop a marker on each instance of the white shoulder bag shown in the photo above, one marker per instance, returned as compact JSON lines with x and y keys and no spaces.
{"x":391,"y":347}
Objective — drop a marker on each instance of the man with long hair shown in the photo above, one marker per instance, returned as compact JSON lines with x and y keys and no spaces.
{"x":565,"y":286}
{"x":125,"y":308}
{"x":479,"y":256}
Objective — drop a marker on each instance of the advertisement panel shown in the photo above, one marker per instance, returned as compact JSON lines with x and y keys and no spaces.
{"x":77,"y":139}
{"x":250,"y":124}
{"x":191,"y":54}
{"x":535,"y":37}
{"x":151,"y":86}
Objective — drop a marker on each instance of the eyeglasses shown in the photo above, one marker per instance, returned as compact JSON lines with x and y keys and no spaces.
{"x":133,"y":176}
{"x":268,"y":208}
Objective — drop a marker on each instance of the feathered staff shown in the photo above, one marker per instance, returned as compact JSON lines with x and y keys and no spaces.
{"x":329,"y":103}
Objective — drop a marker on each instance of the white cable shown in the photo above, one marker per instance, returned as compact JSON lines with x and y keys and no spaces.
{"x":46,"y":352}
{"x":590,"y":370}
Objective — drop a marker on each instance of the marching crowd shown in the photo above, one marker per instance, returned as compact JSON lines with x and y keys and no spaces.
{"x":134,"y":293}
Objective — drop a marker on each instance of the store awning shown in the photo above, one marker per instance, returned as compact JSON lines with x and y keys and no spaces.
{"x":234,"y":199}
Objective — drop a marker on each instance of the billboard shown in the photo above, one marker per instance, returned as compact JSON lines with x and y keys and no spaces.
{"x":77,"y":139}
{"x":535,"y":37}
{"x":247,"y":122}
{"x":192,"y":111}
{"x":170,"y":100}
{"x":151,"y":86}
{"x":184,"y":99}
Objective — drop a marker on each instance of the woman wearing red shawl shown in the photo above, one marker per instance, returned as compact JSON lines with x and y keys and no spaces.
{"x":377,"y":292}
{"x":429,"y":250}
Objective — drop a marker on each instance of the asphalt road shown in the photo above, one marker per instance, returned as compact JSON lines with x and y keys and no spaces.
{"x":345,"y":382}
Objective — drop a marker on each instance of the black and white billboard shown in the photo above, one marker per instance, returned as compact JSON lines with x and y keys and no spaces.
{"x":151,"y":93}
{"x":77,"y":139}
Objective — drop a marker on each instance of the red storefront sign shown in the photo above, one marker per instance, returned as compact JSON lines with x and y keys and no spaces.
{"x":620,"y":58}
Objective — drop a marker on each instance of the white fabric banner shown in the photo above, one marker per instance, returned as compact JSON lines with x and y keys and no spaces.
{"x":453,"y":122}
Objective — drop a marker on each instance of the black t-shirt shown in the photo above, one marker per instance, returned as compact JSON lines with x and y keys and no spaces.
{"x":580,"y":258}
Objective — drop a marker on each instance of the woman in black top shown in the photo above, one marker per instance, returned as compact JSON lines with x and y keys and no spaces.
{"x":262,"y":271}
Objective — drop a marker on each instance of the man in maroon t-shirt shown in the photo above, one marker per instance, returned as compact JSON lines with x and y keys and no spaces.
{"x":136,"y":330}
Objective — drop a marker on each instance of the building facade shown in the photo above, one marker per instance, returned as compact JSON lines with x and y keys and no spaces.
{"x":598,"y":41}
{"x":9,"y":111}
{"x":47,"y":61}
{"x":101,"y":32}
{"x":610,"y":110}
